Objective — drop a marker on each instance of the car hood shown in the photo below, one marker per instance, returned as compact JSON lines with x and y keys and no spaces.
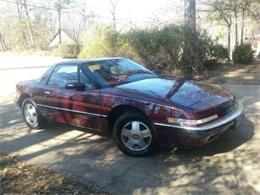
{"x":179,"y":93}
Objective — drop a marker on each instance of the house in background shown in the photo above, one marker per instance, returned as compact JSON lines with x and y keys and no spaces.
{"x":63,"y":38}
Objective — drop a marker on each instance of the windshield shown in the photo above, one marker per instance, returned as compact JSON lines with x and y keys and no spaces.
{"x":118,"y":71}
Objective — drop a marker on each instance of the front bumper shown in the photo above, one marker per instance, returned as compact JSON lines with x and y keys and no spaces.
{"x":200,"y":135}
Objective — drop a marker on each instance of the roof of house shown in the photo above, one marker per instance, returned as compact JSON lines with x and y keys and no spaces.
{"x":65,"y":38}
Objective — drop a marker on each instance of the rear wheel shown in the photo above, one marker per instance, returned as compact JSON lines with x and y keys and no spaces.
{"x":32,"y":116}
{"x":134,"y":134}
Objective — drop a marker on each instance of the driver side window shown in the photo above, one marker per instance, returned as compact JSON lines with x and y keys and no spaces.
{"x":62,"y":75}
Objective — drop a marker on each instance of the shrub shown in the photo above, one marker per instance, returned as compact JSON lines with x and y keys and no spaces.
{"x":162,"y":50}
{"x":159,"y":49}
{"x":211,"y":64}
{"x":110,"y":44}
{"x":243,"y":54}
{"x":215,"y":54}
{"x":69,"y":50}
{"x":218,"y":52}
{"x":201,"y":52}
{"x":98,"y":48}
{"x":195,"y":52}
{"x":18,"y":36}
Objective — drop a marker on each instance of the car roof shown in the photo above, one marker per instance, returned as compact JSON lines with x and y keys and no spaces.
{"x":82,"y":61}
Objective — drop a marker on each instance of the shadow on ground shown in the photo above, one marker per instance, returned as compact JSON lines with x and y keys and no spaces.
{"x":223,"y":166}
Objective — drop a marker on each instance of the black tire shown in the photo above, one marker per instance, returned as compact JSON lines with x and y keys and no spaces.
{"x":118,"y":137}
{"x":40,"y":121}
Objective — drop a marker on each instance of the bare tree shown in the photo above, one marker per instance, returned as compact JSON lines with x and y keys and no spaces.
{"x":78,"y":18}
{"x":19,"y":12}
{"x":2,"y":41}
{"x":86,"y":15}
{"x":222,"y":10}
{"x":244,"y":5}
{"x":240,"y":7}
{"x":113,"y":11}
{"x":59,"y":5}
{"x":235,"y":7}
{"x":19,"y":8}
{"x":29,"y":22}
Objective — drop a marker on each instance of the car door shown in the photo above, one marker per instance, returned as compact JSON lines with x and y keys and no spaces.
{"x":70,"y":106}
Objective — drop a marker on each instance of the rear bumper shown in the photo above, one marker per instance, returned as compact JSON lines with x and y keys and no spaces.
{"x":196,"y":136}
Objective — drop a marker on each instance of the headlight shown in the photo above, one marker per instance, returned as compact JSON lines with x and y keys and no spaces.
{"x":187,"y":122}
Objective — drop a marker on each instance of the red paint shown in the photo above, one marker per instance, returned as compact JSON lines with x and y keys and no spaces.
{"x":158,"y":98}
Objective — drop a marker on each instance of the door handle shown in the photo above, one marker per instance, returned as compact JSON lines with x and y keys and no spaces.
{"x":47,"y":92}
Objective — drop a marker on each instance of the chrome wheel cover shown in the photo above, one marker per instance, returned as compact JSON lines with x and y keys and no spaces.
{"x":136,"y":136}
{"x":30,"y":114}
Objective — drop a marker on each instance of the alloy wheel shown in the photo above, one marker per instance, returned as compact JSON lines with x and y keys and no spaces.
{"x":136,"y":136}
{"x":30,"y":114}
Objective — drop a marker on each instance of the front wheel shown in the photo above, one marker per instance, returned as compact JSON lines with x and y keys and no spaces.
{"x":134,"y":135}
{"x":32,"y":116}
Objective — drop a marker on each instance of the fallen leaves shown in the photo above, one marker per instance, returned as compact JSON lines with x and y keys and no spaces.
{"x":19,"y":177}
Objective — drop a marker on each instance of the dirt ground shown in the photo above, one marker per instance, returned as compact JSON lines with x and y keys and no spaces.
{"x":227,"y":74}
{"x":19,"y":177}
{"x":236,"y":74}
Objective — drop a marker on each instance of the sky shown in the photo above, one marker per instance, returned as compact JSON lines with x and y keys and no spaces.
{"x":139,"y":12}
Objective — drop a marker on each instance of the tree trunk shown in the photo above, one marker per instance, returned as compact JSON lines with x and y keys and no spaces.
{"x":229,"y":42}
{"x":242,"y":27}
{"x":59,"y":31}
{"x":28,"y":18}
{"x":18,"y":3}
{"x":2,"y":41}
{"x":114,"y":21}
{"x":236,"y":24}
{"x":236,"y":31}
{"x":113,"y":13}
{"x":190,"y":15}
{"x":19,"y":12}
{"x":189,"y":52}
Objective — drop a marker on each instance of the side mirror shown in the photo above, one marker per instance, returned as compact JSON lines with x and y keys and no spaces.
{"x":76,"y":86}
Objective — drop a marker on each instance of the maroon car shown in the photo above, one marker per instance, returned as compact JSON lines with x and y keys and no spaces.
{"x":140,"y":107}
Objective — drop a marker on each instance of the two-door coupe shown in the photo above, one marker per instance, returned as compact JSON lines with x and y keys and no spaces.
{"x":140,"y":107}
